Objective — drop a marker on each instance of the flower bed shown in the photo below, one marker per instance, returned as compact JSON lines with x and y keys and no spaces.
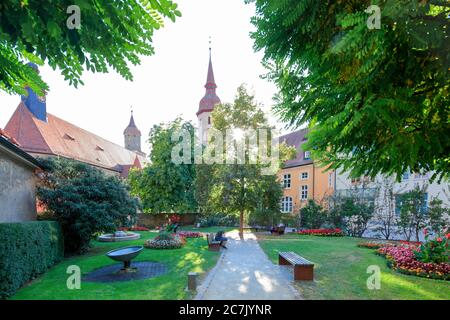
{"x":402,"y":258}
{"x":165,"y":241}
{"x":322,"y":232}
{"x":375,"y":244}
{"x":190,"y":234}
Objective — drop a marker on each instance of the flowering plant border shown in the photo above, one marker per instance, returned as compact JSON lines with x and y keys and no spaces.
{"x":402,"y":259}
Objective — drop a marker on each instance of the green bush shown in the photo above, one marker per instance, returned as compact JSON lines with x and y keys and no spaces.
{"x":218,"y":219}
{"x":27,"y":249}
{"x":85,"y":201}
{"x":312,"y":215}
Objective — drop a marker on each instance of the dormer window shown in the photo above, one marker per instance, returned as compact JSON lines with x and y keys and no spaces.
{"x":307,"y":155}
{"x":68,"y":137}
{"x":99,"y":148}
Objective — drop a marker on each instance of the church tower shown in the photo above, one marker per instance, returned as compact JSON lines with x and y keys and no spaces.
{"x":207,"y":103}
{"x":132,"y":136}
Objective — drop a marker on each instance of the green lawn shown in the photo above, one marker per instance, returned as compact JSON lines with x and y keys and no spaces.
{"x":194,"y":256}
{"x":340,"y":270}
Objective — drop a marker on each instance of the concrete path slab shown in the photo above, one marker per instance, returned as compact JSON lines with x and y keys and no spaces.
{"x":244,"y":272}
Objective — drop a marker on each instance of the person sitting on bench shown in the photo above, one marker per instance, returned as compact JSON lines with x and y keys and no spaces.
{"x":223,"y":240}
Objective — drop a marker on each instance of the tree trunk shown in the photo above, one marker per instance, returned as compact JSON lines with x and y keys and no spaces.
{"x":241,"y":224}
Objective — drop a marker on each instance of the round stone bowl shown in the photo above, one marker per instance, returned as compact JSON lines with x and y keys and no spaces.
{"x":125,"y":255}
{"x":118,"y":236}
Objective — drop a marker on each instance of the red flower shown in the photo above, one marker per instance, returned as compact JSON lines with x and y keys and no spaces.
{"x":439,"y":239}
{"x":447,"y":236}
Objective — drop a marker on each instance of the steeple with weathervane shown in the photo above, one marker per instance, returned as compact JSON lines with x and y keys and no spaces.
{"x":207,"y":103}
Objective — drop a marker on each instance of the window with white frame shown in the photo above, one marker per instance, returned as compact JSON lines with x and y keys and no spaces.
{"x":287,"y":181}
{"x":307,"y":155}
{"x":304,"y":192}
{"x":286,"y":204}
{"x":304,"y":176}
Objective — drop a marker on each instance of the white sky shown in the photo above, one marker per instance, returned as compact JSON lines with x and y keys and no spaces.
{"x":169,"y":83}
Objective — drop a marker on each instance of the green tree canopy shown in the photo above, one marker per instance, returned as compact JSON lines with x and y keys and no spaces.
{"x":165,"y":186}
{"x":84,"y":200}
{"x":377,"y":100}
{"x":112,"y":35}
{"x":243,"y":188}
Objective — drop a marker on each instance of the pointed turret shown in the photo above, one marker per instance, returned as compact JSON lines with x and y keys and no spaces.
{"x":132,"y":136}
{"x":210,"y":99}
{"x":206,"y":105}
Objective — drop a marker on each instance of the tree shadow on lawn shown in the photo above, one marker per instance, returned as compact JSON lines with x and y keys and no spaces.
{"x":194,"y":256}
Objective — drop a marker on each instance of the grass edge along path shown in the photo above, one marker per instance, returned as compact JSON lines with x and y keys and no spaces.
{"x":341,"y":270}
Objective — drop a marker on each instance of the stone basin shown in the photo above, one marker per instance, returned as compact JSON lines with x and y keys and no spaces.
{"x":125,"y":255}
{"x":118,"y":236}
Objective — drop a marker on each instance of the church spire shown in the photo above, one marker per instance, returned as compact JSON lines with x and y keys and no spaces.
{"x":210,"y":99}
{"x":132,"y":136}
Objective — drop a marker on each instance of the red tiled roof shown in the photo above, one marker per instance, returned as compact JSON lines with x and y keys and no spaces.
{"x":59,"y":137}
{"x":126,"y":168}
{"x":296,"y":139}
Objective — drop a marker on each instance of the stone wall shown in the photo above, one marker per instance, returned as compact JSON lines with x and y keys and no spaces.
{"x":154,"y":220}
{"x":17,"y":190}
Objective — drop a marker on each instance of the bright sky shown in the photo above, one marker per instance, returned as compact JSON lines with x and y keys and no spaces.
{"x":169,"y":83}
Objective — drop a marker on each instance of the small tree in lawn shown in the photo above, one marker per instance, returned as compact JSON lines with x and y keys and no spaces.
{"x":353,"y":209}
{"x":267,"y":212}
{"x":84,"y":200}
{"x":385,"y":215}
{"x":356,"y":215}
{"x":438,"y":216}
{"x":237,"y":186}
{"x":412,"y":212}
{"x":312,"y":215}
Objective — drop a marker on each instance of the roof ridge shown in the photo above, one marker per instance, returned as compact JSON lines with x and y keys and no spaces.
{"x":85,"y":130}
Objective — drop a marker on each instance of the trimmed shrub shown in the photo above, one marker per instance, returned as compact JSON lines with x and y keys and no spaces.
{"x":27,"y":249}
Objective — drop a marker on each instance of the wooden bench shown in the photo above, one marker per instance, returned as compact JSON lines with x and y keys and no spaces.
{"x":213,"y":245}
{"x":277,"y":231}
{"x":303,"y":269}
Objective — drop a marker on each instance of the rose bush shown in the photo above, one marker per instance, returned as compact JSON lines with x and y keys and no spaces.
{"x":435,"y":250}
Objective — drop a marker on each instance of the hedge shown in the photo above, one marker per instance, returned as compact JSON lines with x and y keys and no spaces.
{"x":27,"y":249}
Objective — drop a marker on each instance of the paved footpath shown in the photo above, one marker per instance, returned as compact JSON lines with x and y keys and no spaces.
{"x":244,"y":272}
